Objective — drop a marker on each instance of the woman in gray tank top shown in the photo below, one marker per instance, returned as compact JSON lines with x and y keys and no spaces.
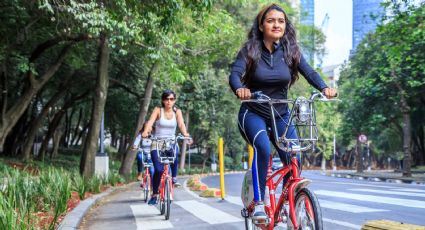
{"x":166,"y":119}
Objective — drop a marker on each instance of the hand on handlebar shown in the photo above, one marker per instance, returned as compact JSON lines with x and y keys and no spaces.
{"x":189,"y":139}
{"x":145,"y":134}
{"x":243,"y":93}
{"x":330,"y":93}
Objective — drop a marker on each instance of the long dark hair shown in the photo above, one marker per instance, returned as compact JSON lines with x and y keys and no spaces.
{"x":252,"y":48}
{"x":166,"y":94}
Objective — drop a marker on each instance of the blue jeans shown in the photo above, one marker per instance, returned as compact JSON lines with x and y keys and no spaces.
{"x":253,"y":128}
{"x":159,"y":168}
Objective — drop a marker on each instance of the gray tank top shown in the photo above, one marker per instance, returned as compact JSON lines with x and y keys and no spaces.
{"x":165,"y":127}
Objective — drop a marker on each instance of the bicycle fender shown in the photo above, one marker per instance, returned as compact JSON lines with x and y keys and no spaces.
{"x":293,"y":189}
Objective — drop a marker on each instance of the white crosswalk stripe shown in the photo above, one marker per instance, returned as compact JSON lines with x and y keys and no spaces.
{"x":375,"y":199}
{"x":147,"y":217}
{"x":365,"y":185}
{"x":388,"y":192}
{"x":347,"y":207}
{"x":207,"y":213}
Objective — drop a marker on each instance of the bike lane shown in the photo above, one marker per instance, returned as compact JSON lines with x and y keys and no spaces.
{"x":125,"y":209}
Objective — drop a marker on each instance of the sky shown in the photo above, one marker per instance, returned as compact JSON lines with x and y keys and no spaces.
{"x":338,"y":32}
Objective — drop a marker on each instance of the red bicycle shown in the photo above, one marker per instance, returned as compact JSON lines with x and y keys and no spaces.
{"x":166,"y":148}
{"x":297,"y":201}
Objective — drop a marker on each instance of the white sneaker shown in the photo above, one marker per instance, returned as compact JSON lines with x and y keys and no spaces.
{"x":259,"y":212}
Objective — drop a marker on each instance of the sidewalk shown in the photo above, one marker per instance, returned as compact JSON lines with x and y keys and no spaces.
{"x":418,"y":177}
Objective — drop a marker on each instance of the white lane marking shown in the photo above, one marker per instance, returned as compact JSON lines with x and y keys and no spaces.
{"x":234,"y":200}
{"x":190,"y":192}
{"x":148,"y":217}
{"x":207,"y":213}
{"x":367,"y":185}
{"x":345,"y":224}
{"x":410,"y":190}
{"x":388,"y":192}
{"x":347,"y":207}
{"x":376,"y":199}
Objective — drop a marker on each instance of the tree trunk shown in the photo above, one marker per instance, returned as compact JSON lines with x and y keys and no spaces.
{"x":323,"y":162}
{"x":83,"y":131}
{"x":359,"y":156}
{"x":51,"y":130}
{"x":406,"y":144}
{"x":36,"y":123}
{"x":77,"y":126}
{"x":12,"y":115}
{"x":184,"y":147}
{"x":206,"y":157}
{"x":57,"y":136}
{"x":407,"y":130}
{"x":130,"y":155}
{"x":91,"y":142}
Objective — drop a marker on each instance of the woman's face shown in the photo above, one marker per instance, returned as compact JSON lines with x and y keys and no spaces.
{"x":273,"y":26}
{"x":169,"y":101}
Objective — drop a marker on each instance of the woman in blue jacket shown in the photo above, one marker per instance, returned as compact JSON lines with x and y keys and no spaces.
{"x":269,"y":61}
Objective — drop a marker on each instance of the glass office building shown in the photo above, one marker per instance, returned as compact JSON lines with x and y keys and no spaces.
{"x":366,"y":16}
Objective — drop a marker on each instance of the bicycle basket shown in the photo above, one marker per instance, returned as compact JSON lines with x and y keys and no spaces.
{"x":166,"y":151}
{"x":303,"y":122}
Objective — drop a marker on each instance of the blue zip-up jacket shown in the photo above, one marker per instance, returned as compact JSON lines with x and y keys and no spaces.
{"x":272,"y":77}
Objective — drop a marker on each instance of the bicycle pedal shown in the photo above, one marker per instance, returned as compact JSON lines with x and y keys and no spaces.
{"x":244,"y":213}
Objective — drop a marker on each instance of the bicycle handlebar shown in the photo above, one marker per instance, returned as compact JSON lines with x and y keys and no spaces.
{"x":259,"y":97}
{"x":177,"y":137}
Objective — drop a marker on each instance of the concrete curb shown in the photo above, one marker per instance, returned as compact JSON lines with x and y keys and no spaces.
{"x":195,"y":184}
{"x":74,"y":218}
{"x":389,"y":225}
{"x":373,"y":178}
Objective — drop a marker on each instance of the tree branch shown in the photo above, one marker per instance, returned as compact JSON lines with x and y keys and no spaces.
{"x":52,"y":42}
{"x":125,"y":87}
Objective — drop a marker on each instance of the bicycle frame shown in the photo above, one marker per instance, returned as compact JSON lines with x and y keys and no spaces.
{"x":294,"y":184}
{"x":166,"y":160}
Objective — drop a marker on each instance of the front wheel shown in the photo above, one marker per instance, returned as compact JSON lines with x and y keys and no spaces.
{"x":146,"y":188}
{"x":307,"y":211}
{"x":167,"y":198}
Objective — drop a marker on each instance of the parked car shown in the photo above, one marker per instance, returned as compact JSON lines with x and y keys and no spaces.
{"x":276,"y":164}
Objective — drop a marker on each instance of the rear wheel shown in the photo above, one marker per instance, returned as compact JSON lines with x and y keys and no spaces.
{"x":307,"y":211}
{"x":167,"y":197}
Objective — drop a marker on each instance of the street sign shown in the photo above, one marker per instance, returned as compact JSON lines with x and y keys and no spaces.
{"x":363,"y":138}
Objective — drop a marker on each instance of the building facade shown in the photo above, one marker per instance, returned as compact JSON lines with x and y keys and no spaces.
{"x":366,"y":16}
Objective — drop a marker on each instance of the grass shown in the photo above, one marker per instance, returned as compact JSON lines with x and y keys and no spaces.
{"x":35,"y":195}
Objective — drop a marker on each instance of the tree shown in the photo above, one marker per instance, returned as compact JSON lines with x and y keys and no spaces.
{"x":393,"y":84}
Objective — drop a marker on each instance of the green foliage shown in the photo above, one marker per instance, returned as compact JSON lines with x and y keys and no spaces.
{"x":387,"y":66}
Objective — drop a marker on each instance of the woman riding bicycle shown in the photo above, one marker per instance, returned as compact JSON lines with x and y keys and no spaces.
{"x":166,"y":119}
{"x":269,"y":61}
{"x":143,"y":155}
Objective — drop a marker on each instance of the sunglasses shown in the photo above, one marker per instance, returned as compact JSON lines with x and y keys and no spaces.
{"x":169,"y":99}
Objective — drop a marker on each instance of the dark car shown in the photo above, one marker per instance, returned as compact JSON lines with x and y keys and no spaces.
{"x":276,"y":164}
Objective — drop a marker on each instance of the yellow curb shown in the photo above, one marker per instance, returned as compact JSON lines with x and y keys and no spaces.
{"x":389,"y":225}
{"x":211,"y":192}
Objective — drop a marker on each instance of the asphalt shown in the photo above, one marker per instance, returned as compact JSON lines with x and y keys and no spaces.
{"x":73,"y":219}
